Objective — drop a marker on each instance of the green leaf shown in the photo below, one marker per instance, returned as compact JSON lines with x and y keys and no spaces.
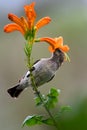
{"x":48,"y":121}
{"x":65,"y":109}
{"x":62,"y":110}
{"x":52,"y":98}
{"x":28,"y":49}
{"x":53,"y":92}
{"x":37,"y":120}
{"x":38,"y":101}
{"x":33,"y":120}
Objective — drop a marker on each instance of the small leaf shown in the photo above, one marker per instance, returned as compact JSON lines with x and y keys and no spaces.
{"x":53,"y":92}
{"x":48,"y":121}
{"x":28,"y":49}
{"x":62,"y":110}
{"x":65,"y":109}
{"x":38,"y":101}
{"x":52,"y":98}
{"x":33,"y":120}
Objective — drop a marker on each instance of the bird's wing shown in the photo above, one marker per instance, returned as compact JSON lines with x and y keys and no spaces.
{"x":51,"y":78}
{"x":33,"y":67}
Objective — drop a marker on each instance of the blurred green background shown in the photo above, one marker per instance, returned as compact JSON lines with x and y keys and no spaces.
{"x":69,"y":19}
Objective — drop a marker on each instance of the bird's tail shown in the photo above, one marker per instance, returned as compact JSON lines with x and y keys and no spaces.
{"x":15,"y":91}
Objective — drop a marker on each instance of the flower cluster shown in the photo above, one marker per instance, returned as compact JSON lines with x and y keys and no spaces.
{"x":26,"y":25}
{"x":28,"y":28}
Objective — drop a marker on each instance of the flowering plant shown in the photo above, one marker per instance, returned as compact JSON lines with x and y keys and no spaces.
{"x":28,"y":28}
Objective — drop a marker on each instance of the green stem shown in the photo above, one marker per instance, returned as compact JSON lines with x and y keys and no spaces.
{"x":38,"y":93}
{"x":28,"y":54}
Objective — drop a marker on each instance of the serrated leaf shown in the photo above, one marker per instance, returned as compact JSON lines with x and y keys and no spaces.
{"x":33,"y":120}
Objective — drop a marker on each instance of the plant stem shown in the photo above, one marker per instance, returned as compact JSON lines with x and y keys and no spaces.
{"x":38,"y":93}
{"x":28,"y":51}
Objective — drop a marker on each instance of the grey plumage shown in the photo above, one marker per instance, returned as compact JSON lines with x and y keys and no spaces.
{"x":43,"y":71}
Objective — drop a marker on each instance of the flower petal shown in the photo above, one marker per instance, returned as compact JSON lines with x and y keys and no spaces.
{"x":30,"y":13}
{"x":55,"y":43}
{"x":65,"y":48}
{"x":25,"y":23}
{"x":13,"y":27}
{"x":16,"y":20}
{"x":42,"y":22}
{"x":51,"y":41}
{"x":51,"y":49}
{"x":59,"y":41}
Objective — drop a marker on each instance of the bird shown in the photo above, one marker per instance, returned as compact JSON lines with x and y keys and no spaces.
{"x":43,"y":71}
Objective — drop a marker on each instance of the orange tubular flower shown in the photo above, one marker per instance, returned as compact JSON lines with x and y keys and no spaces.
{"x":55,"y":43}
{"x":26,"y":25}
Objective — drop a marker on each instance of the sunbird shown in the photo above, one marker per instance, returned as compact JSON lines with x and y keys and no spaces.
{"x":43,"y":71}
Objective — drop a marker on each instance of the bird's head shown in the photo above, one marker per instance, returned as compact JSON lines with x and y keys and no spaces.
{"x":58,"y":55}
